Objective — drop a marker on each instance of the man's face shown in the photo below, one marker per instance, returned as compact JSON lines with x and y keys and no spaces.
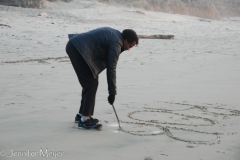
{"x":128,"y":45}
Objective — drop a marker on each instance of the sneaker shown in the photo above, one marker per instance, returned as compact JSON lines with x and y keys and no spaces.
{"x":78,"y":117}
{"x":88,"y":124}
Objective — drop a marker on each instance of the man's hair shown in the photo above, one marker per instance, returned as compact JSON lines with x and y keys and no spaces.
{"x":130,"y":35}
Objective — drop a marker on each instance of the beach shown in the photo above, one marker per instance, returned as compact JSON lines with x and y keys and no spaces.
{"x":177,"y":99}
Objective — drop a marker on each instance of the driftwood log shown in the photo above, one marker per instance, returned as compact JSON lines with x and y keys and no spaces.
{"x":156,"y":36}
{"x":5,"y":25}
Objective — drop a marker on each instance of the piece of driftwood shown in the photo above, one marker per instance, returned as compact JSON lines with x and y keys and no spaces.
{"x":5,"y":25}
{"x":156,"y":36}
{"x":141,"y":12}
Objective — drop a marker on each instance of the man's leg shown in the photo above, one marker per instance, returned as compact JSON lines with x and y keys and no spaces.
{"x":82,"y":103}
{"x":88,"y":98}
{"x":86,"y":79}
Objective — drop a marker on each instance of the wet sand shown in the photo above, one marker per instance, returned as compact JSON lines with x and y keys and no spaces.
{"x":177,"y":99}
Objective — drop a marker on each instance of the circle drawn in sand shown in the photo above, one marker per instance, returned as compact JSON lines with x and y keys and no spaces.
{"x":189,"y":116}
{"x":140,"y":129}
{"x":188,"y":136}
{"x":160,"y":116}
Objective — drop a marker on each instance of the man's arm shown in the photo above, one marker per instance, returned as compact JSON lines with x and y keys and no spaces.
{"x":113,"y":55}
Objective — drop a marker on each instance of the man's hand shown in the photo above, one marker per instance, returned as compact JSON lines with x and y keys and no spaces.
{"x":111,"y":99}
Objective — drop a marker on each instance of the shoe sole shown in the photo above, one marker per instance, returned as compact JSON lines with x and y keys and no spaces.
{"x":78,"y":121}
{"x":96,"y":127}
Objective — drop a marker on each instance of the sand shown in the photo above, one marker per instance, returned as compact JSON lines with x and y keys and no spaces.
{"x":177,"y":99}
